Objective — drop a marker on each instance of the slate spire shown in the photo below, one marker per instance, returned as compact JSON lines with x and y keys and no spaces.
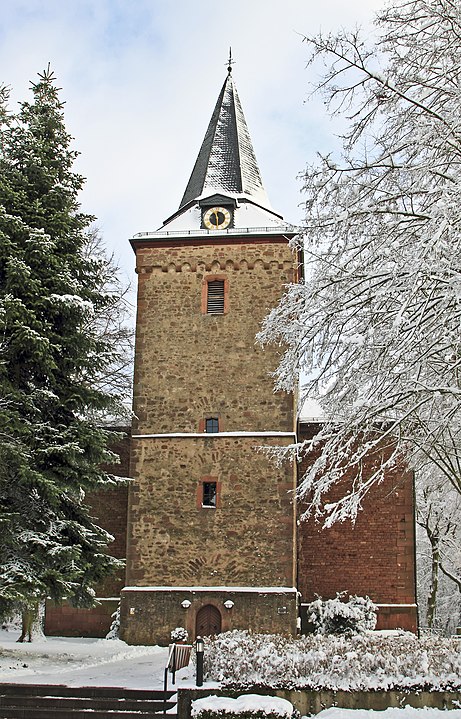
{"x":226,"y":162}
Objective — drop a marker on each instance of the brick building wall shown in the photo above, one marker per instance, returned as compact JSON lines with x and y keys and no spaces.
{"x":109,"y":508}
{"x":374,"y":557}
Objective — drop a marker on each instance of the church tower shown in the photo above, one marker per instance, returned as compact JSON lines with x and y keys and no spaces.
{"x":211,"y":519}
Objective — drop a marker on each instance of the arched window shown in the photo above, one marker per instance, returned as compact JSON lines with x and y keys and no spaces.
{"x":211,"y":424}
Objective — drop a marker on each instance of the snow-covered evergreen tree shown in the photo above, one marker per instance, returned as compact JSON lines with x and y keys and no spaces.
{"x":53,"y":355}
{"x":375,"y":327}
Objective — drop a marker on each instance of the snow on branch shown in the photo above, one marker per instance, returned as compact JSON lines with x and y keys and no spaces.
{"x":372,"y":334}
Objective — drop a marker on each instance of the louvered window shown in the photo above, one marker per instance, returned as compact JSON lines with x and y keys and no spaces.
{"x":215,"y":297}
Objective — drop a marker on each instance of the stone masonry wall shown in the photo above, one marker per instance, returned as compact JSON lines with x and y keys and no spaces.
{"x":246,"y":540}
{"x":189,"y":363}
{"x":374,"y":557}
{"x":147,"y":617}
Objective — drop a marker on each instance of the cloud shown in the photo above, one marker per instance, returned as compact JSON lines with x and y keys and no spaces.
{"x":140,"y":81}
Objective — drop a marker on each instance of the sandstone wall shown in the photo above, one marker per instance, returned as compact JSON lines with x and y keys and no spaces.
{"x":147,"y":617}
{"x":246,"y":540}
{"x":189,"y":363}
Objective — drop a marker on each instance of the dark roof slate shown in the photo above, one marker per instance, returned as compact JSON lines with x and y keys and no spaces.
{"x":226,"y":161}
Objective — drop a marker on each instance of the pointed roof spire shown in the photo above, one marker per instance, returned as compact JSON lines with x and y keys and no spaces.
{"x":226,"y":162}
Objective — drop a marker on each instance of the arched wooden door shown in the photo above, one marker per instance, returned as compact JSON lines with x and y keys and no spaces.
{"x":208,"y":621}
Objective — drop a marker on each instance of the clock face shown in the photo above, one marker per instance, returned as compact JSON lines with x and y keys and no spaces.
{"x":217,"y":218}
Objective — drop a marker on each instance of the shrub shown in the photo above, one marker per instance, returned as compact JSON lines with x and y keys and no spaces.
{"x":335,"y":616}
{"x":247,"y":706}
{"x":356,"y":662}
{"x":114,"y":631}
{"x":179,"y":634}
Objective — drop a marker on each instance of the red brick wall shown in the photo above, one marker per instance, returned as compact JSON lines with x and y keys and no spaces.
{"x":374,"y":557}
{"x":63,"y":620}
{"x":109,"y":508}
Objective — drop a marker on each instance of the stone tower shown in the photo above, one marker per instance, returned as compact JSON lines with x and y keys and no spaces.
{"x":211,"y":520}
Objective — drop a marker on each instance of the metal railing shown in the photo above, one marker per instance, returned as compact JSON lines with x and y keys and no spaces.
{"x":205,"y":233}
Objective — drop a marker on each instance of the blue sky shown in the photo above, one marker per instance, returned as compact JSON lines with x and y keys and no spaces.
{"x":140,"y":80}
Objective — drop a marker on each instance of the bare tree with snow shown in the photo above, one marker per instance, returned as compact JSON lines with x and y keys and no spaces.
{"x":375,"y":327}
{"x":438,"y":551}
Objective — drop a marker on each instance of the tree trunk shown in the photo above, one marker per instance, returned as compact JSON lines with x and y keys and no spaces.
{"x":435,"y":565}
{"x":30,"y":622}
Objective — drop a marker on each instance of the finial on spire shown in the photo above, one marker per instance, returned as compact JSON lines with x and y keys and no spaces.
{"x":230,"y":62}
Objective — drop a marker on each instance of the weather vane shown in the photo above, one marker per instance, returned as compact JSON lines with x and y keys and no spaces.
{"x":230,"y":62}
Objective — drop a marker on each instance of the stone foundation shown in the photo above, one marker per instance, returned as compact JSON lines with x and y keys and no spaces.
{"x":148,"y":614}
{"x":310,"y":702}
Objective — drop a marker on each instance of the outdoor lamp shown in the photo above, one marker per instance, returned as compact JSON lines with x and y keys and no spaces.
{"x":199,"y":649}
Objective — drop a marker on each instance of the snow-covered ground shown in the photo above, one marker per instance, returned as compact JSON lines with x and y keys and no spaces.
{"x":393,"y":713}
{"x":85,"y":662}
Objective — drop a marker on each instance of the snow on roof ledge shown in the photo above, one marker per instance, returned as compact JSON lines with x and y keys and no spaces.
{"x":311,"y":411}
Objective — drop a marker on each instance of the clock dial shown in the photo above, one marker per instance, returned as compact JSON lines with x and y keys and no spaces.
{"x":217,"y":218}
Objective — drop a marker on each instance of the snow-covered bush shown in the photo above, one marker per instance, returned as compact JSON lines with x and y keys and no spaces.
{"x":179,"y":634}
{"x":247,"y":706}
{"x":114,"y":630}
{"x":335,"y":616}
{"x":365,"y":661}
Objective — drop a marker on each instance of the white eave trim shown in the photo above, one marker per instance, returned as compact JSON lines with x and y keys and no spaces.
{"x":395,"y":605}
{"x":377,"y":604}
{"x":257,"y":590}
{"x":213,"y":435}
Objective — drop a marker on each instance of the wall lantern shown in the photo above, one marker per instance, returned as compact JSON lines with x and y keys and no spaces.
{"x":185,"y":604}
{"x":229,"y":604}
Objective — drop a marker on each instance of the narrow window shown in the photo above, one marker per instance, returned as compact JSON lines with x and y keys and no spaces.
{"x":209,"y":494}
{"x":215,"y":297}
{"x":211,"y":424}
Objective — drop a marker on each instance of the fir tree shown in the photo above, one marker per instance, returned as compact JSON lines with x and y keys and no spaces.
{"x":52,"y":357}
